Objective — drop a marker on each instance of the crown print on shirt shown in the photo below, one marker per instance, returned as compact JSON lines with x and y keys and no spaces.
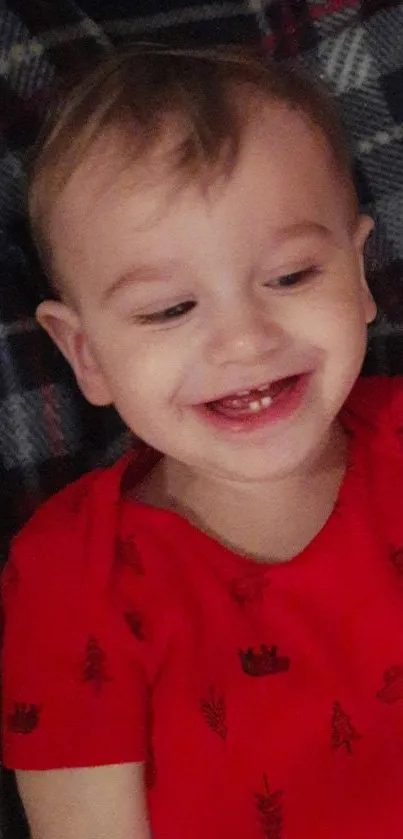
{"x":245,"y":590}
{"x":24,"y":719}
{"x":264,"y":662}
{"x":392,"y":689}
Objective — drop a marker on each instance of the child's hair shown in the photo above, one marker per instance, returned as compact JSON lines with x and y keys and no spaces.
{"x":139,"y":87}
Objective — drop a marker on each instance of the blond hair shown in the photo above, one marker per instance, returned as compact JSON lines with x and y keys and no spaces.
{"x":138,"y":87}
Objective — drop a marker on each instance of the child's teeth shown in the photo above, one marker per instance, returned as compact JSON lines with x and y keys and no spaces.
{"x":240,"y":402}
{"x":254,"y":406}
{"x":259,"y":404}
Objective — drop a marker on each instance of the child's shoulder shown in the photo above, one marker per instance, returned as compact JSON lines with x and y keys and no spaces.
{"x":73,"y":526}
{"x":375,"y":390}
{"x":94,"y":529}
{"x":376,"y":398}
{"x":89,"y":494}
{"x":375,"y":409}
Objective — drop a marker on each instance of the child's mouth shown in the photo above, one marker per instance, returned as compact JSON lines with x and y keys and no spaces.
{"x":250,"y":403}
{"x":258,"y":408}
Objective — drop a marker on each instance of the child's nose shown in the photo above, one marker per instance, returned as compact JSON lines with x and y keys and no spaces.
{"x":244,"y":334}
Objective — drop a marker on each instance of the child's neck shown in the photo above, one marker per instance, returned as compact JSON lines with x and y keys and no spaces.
{"x":270,"y":521}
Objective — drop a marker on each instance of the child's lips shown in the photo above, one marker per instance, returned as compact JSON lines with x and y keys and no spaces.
{"x":243,"y":403}
{"x":249,"y":410}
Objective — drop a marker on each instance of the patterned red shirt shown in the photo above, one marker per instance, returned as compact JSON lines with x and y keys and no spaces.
{"x":266,"y":700}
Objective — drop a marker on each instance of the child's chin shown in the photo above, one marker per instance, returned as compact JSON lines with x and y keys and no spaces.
{"x":260,"y":468}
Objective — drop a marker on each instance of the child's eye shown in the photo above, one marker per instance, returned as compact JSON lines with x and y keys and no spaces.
{"x":294,"y":278}
{"x":172,"y":313}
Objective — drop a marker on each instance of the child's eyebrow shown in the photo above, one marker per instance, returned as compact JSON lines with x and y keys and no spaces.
{"x":147,"y":273}
{"x":300,"y":229}
{"x":138,"y":274}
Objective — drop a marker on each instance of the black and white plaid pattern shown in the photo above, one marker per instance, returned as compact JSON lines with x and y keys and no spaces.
{"x":48,"y":434}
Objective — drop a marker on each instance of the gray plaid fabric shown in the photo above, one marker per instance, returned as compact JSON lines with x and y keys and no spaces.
{"x":48,"y":435}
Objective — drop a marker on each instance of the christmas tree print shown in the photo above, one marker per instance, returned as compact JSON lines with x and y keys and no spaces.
{"x":245,"y":590}
{"x":343,"y":731}
{"x":270,"y":811}
{"x":94,"y":670}
{"x":127,"y":555}
{"x":135,"y":624}
{"x":396,"y":558}
{"x":392,"y":690}
{"x":24,"y":719}
{"x":214,"y":711}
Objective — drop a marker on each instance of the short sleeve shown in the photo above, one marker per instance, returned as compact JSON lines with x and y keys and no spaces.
{"x":74,"y":685}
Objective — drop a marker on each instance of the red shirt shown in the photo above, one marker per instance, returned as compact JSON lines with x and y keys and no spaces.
{"x":267,"y":700}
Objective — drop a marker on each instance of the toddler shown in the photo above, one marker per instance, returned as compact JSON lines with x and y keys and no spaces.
{"x":205,"y":641}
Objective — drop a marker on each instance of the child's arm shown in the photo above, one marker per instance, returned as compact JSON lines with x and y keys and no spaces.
{"x":74,"y":675}
{"x":96,"y":803}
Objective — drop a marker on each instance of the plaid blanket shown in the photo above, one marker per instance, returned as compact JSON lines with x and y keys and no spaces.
{"x":48,"y":435}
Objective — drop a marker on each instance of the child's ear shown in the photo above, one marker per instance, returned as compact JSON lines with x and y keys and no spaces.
{"x":64,"y":327}
{"x":365,"y":225}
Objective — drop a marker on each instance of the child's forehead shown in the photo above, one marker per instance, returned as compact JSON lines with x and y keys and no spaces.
{"x":275,"y":136}
{"x":117,"y":210}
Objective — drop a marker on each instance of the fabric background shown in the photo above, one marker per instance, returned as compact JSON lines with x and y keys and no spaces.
{"x":48,"y":434}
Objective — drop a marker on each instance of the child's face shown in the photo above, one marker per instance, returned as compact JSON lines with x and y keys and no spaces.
{"x":178,"y":305}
